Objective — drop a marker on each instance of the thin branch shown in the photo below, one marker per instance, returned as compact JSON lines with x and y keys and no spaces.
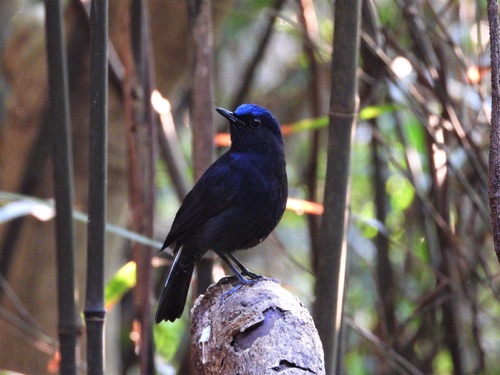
{"x":249,"y":74}
{"x":307,"y":17}
{"x":24,"y":322}
{"x":170,"y":150}
{"x":494,"y":162}
{"x":47,"y":207}
{"x":398,"y":362}
{"x":31,"y":175}
{"x":29,"y":333}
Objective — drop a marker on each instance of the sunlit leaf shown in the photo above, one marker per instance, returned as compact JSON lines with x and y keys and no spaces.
{"x":442,"y":364}
{"x":373,"y":111}
{"x":415,"y":134}
{"x":355,"y":365}
{"x":400,"y":191}
{"x":366,"y":221}
{"x":306,"y":124}
{"x":167,"y":337}
{"x":120,"y":283}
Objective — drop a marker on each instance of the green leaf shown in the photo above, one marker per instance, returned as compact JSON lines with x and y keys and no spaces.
{"x":443,"y":363}
{"x":309,"y":124}
{"x":373,"y":111}
{"x":366,"y":113}
{"x":400,"y":191}
{"x":168,"y":336}
{"x":415,"y":134}
{"x":120,"y":283}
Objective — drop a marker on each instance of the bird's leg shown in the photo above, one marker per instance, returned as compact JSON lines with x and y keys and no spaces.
{"x":244,"y":271}
{"x":233,"y":268}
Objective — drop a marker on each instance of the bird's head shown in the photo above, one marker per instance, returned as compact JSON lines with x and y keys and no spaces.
{"x":252,"y":128}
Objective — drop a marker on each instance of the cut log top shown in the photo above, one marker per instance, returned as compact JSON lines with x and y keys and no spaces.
{"x":256,"y":329}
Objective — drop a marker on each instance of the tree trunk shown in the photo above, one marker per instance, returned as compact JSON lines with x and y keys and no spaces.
{"x":256,"y":329}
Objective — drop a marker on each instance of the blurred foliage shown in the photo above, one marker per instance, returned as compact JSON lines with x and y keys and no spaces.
{"x":120,"y":283}
{"x":400,"y":118}
{"x":168,"y":338}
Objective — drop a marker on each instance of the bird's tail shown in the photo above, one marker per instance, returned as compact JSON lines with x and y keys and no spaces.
{"x":174,"y":295}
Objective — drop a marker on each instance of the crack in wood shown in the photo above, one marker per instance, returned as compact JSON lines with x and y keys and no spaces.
{"x":284,"y":365}
{"x":245,"y":339}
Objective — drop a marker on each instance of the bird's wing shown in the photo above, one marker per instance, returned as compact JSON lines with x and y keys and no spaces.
{"x":212,"y":194}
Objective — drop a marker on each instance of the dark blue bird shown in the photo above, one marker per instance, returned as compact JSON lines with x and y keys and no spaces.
{"x":235,"y":205}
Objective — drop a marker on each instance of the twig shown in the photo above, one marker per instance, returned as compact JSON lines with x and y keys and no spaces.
{"x":494,"y":157}
{"x":170,"y":150}
{"x":248,"y":75}
{"x":398,"y":361}
{"x":83,"y":218}
{"x":308,"y":20}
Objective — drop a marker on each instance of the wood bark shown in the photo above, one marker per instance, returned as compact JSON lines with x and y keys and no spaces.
{"x":494,"y":158}
{"x":253,"y":329}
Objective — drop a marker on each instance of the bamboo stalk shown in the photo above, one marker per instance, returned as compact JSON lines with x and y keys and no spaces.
{"x":384,"y":270}
{"x":94,"y":298}
{"x":344,"y":103}
{"x":63,"y":185}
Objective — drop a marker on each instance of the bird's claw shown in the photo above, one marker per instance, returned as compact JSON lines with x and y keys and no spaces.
{"x":241,"y":283}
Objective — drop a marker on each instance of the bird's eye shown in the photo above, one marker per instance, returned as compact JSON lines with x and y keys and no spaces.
{"x":255,"y":123}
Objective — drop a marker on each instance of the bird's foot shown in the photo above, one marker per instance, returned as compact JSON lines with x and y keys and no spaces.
{"x":231,"y":291}
{"x":256,"y":278}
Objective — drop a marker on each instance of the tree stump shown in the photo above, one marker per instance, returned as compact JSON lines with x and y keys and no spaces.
{"x":253,"y":329}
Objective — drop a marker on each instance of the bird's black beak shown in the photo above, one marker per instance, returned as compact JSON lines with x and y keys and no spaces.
{"x":230,"y":116}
